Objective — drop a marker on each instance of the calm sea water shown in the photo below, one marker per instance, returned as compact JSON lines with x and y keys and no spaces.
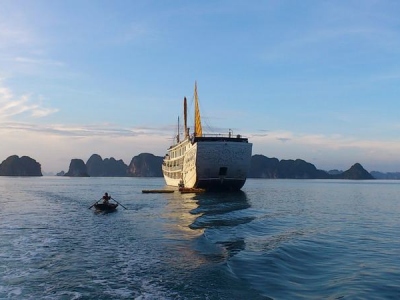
{"x":278,"y":239}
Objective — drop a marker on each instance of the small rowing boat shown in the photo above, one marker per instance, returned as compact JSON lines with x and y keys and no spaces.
{"x":106,"y":206}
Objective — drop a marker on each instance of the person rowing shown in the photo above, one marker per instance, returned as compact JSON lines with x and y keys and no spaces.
{"x":106,"y":198}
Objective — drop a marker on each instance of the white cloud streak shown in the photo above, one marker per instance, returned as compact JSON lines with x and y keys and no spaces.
{"x":34,"y":61}
{"x":13,"y":36}
{"x":79,"y":131}
{"x":11,"y":106}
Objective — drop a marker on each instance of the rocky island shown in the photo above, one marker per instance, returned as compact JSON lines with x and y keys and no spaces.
{"x":149,"y":165}
{"x":20,"y":166}
{"x":77,"y":168}
{"x":142,"y":165}
{"x":108,"y":167}
{"x":264,"y":167}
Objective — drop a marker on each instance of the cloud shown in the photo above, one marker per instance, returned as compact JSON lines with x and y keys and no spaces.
{"x":39,"y":112}
{"x":13,"y":36}
{"x":259,"y":134}
{"x":33,"y":61}
{"x":78,"y":131}
{"x":134,"y":32}
{"x":283,"y":139}
{"x":11,"y":106}
{"x":5,"y":94}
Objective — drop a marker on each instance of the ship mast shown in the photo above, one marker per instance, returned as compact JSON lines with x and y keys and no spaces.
{"x":198,"y":131}
{"x":185,"y":117}
{"x":177,"y":136}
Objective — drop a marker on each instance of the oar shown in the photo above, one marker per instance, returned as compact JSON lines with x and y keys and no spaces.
{"x":94,"y":203}
{"x":118,"y":203}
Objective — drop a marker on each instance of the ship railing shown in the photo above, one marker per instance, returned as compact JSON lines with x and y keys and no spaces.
{"x":171,"y":169}
{"x":230,"y":135}
{"x":220,"y":137}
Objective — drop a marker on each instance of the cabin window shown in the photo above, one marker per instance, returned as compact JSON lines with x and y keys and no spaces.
{"x":223,"y":171}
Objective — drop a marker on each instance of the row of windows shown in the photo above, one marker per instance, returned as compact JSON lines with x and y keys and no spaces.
{"x":174,"y":163}
{"x":174,"y":175}
{"x":179,"y":152}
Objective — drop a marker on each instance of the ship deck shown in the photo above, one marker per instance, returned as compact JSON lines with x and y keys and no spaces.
{"x":222,"y":138}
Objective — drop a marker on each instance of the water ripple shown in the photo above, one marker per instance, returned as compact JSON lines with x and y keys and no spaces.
{"x":276,"y":240}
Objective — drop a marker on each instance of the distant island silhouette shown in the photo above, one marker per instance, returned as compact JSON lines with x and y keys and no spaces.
{"x":149,"y":165}
{"x":142,"y":165}
{"x":20,"y":166}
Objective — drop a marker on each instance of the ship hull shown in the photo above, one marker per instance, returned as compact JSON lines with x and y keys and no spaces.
{"x":213,"y":164}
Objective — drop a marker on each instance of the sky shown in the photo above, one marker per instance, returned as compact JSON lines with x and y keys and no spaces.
{"x":315,"y":80}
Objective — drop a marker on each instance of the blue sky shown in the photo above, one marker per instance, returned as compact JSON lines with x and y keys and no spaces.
{"x":316,"y":80}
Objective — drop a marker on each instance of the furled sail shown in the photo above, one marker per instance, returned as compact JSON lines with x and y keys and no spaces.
{"x":198,"y":131}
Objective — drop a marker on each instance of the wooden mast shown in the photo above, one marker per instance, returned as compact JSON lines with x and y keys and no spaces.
{"x":177,"y":136}
{"x":185,"y":117}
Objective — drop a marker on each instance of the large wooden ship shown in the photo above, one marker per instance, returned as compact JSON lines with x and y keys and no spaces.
{"x":218,"y":162}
